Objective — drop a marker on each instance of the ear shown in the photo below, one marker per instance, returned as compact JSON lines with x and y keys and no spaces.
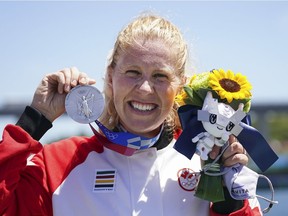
{"x":108,"y":82}
{"x":183,"y":81}
{"x":109,"y":75}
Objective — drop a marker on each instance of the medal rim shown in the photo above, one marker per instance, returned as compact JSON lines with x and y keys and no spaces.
{"x":98,"y":105}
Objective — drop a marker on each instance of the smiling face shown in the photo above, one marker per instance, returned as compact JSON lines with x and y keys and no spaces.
{"x":144,"y":85}
{"x":143,"y":73}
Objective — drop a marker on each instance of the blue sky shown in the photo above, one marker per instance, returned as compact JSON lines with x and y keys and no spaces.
{"x":42,"y":37}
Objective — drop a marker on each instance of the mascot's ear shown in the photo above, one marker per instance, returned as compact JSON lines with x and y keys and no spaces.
{"x":241,"y":106}
{"x":207,"y":101}
{"x":239,"y":114}
{"x":209,"y":95}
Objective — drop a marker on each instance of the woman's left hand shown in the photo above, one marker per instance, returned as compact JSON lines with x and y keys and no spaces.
{"x":235,"y":153}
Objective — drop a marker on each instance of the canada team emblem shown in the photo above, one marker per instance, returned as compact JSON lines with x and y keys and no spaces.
{"x":188,"y":179}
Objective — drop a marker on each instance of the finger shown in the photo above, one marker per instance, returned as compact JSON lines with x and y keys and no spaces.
{"x":58,"y":80}
{"x":214,"y":152}
{"x":74,"y":76}
{"x":236,"y":158}
{"x":67,"y":79}
{"x":235,"y":153}
{"x":234,"y":148}
{"x":232,"y":139}
{"x":61,"y":83}
{"x":84,"y":79}
{"x":91,"y":81}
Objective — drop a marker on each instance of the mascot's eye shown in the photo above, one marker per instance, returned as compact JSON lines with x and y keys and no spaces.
{"x":212,"y":118}
{"x":230,"y":126}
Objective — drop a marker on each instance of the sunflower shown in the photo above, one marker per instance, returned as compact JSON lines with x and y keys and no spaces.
{"x":230,"y":86}
{"x":225,"y":86}
{"x":180,"y":98}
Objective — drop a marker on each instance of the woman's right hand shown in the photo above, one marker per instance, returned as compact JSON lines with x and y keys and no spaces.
{"x":49,"y":97}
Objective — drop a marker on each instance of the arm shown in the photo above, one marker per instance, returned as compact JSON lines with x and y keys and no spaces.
{"x":16,"y":188}
{"x":23,"y":185}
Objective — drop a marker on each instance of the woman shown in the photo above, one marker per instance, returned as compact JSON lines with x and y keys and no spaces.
{"x":144,"y":74}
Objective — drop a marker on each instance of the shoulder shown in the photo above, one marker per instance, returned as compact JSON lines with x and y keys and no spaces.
{"x":68,"y":147}
{"x":61,"y":157}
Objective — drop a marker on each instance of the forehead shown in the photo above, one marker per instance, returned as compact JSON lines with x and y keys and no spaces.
{"x":150,"y":52}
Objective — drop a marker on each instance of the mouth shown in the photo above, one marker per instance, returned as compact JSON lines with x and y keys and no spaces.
{"x":142,"y":107}
{"x":220,"y":128}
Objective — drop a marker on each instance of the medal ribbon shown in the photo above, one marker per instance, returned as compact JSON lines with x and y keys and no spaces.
{"x":124,"y":142}
{"x":252,"y":140}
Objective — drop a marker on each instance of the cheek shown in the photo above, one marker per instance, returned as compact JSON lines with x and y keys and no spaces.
{"x":117,"y":84}
{"x":168,"y":97}
{"x":120,"y":89}
{"x":212,"y":129}
{"x":209,"y":127}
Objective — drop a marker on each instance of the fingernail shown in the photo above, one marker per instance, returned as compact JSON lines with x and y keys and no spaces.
{"x":83,"y":80}
{"x":92,"y":81}
{"x":67,"y":88}
{"x":74,"y":82}
{"x":213,"y":155}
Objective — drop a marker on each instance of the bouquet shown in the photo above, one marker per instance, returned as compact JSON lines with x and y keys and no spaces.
{"x":223,"y":99}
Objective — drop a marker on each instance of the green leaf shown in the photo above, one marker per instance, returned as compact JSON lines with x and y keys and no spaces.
{"x":188,"y":91}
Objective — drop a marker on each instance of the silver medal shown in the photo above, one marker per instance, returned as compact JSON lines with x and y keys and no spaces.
{"x":84,"y":104}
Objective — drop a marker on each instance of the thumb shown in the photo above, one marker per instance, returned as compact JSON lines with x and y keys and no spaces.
{"x":232,"y":139}
{"x":214,"y":152}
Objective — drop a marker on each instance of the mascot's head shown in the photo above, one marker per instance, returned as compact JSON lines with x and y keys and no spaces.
{"x":220,"y":117}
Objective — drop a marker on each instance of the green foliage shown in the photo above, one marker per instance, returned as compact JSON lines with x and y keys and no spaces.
{"x":278,"y":126}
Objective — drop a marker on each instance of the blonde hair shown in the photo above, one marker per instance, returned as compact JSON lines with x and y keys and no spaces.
{"x":145,"y":27}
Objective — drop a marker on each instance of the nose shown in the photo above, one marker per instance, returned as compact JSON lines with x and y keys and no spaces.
{"x":146,"y":87}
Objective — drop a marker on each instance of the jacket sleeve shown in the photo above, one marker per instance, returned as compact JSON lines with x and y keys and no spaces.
{"x":23,"y":190}
{"x":34,"y":123}
{"x":246,"y":210}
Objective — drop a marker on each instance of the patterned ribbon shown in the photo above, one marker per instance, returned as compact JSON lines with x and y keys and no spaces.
{"x":251,"y":139}
{"x":124,"y":142}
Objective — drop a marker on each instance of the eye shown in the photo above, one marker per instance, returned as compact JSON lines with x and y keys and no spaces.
{"x":230,"y":126}
{"x":132,"y":73}
{"x":212,"y":118}
{"x":161,"y":77}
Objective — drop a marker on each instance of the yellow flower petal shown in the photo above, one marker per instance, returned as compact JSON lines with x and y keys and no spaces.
{"x":230,"y":75}
{"x":229,"y":85}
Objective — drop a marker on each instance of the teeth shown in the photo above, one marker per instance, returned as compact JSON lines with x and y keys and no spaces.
{"x":142,"y":107}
